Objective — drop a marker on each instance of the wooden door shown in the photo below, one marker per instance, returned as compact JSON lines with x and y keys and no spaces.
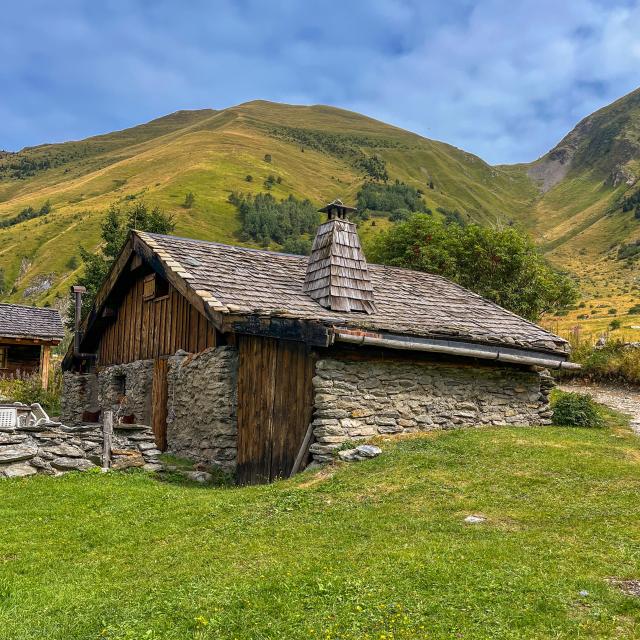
{"x":275,"y":405}
{"x":159,"y":398}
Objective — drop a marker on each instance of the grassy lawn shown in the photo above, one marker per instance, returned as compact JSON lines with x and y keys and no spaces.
{"x":377,"y":549}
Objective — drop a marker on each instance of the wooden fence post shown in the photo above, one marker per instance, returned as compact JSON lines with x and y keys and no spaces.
{"x":107,"y":437}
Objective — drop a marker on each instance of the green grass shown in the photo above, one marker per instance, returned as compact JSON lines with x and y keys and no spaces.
{"x":377,"y":549}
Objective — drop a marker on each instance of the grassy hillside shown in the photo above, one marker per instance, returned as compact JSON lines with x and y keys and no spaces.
{"x":570,"y":200}
{"x":378,"y":549}
{"x":579,"y":219}
{"x":210,"y":153}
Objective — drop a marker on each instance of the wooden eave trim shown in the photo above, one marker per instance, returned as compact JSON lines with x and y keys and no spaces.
{"x":29,"y":341}
{"x":158,"y":263}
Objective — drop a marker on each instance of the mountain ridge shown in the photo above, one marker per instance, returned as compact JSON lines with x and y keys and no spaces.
{"x":569,"y":199}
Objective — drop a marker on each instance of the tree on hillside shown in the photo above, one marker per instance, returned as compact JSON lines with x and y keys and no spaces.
{"x":189,"y":200}
{"x":502,"y":265}
{"x":115,"y":227}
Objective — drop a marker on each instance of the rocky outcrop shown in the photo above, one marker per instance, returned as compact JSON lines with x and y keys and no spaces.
{"x":356,"y":399}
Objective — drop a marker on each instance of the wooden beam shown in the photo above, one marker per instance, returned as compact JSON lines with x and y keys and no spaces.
{"x":28,"y":341}
{"x":45,"y":364}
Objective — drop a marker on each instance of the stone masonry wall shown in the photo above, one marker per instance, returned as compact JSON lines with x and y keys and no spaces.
{"x":53,"y":449}
{"x":356,"y":400}
{"x":79,"y":394}
{"x":202,"y":407}
{"x":123,"y":388}
{"x":138,"y":381}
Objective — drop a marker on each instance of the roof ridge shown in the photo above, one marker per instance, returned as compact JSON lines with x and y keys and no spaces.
{"x":29,"y":306}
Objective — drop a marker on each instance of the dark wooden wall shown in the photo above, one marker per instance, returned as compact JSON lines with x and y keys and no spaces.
{"x":21,"y":358}
{"x":275,"y":406}
{"x":148,"y":329}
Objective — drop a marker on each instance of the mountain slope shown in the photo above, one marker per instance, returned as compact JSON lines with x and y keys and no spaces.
{"x":570,"y":199}
{"x":210,"y":153}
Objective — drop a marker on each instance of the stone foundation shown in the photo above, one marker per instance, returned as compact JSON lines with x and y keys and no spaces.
{"x":79,"y":395}
{"x":202,"y":407}
{"x":355,"y":400}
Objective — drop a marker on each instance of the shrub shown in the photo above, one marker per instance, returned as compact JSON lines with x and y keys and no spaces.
{"x":575,"y":410}
{"x":28,"y":389}
{"x":611,"y":363}
{"x":615,"y":324}
{"x":189,"y":200}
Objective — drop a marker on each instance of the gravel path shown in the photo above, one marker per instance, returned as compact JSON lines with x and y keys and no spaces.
{"x":618,"y":398}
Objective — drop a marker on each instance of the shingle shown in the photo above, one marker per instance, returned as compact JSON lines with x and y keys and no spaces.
{"x":17,"y":321}
{"x":407,"y":302}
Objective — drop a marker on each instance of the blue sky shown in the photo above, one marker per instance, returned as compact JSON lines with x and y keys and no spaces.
{"x":502,"y":79}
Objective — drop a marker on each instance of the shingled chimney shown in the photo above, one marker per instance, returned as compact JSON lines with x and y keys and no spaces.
{"x":337,"y":275}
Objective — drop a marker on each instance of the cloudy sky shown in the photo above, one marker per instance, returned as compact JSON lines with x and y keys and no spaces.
{"x":504,"y":79}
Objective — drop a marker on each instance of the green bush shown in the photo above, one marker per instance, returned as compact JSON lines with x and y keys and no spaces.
{"x":614,"y":362}
{"x":575,"y":410}
{"x":28,"y":389}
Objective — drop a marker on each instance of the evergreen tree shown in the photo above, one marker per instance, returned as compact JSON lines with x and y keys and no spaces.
{"x":114,"y":230}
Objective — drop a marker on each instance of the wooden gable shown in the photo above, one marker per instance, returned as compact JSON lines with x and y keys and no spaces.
{"x":148,"y":319}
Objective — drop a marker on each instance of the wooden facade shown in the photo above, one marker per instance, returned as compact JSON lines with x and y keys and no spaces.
{"x":275,"y":405}
{"x":144,"y":327}
{"x":24,"y":356}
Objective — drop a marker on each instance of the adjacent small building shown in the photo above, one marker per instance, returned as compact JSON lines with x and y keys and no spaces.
{"x":255,"y":361}
{"x":26,"y":337}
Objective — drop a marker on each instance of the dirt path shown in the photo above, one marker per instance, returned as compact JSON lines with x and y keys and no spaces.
{"x":618,"y":398}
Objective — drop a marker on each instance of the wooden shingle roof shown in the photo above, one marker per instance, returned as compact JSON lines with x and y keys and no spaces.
{"x":18,"y":321}
{"x":237,"y":280}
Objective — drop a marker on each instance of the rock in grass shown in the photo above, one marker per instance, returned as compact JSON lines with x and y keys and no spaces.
{"x":474,"y":519}
{"x":361,"y":452}
{"x":369,"y":450}
{"x":349,"y":455}
{"x":198,"y":476}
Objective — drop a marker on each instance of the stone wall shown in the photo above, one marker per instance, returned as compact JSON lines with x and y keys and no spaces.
{"x":361,"y":399}
{"x":136,"y":379}
{"x":123,"y":388}
{"x":54,"y":449}
{"x":202,"y":419}
{"x":79,"y":394}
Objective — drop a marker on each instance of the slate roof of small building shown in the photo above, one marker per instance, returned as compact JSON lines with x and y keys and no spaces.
{"x":253,"y":281}
{"x":18,"y":321}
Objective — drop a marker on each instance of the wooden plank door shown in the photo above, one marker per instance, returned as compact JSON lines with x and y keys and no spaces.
{"x":275,"y":403}
{"x":159,"y":396}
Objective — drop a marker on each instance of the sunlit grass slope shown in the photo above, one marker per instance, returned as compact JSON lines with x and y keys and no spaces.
{"x":210,"y":153}
{"x":378,"y":549}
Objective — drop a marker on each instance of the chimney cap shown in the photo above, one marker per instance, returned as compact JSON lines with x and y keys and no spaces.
{"x":336,"y":209}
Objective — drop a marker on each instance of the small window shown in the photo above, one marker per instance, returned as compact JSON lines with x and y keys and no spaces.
{"x":3,"y":357}
{"x":120,"y":384}
{"x":155,"y":287}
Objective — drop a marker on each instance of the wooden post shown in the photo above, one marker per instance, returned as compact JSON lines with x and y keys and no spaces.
{"x":304,"y":451}
{"x":45,"y":364}
{"x":107,"y":437}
